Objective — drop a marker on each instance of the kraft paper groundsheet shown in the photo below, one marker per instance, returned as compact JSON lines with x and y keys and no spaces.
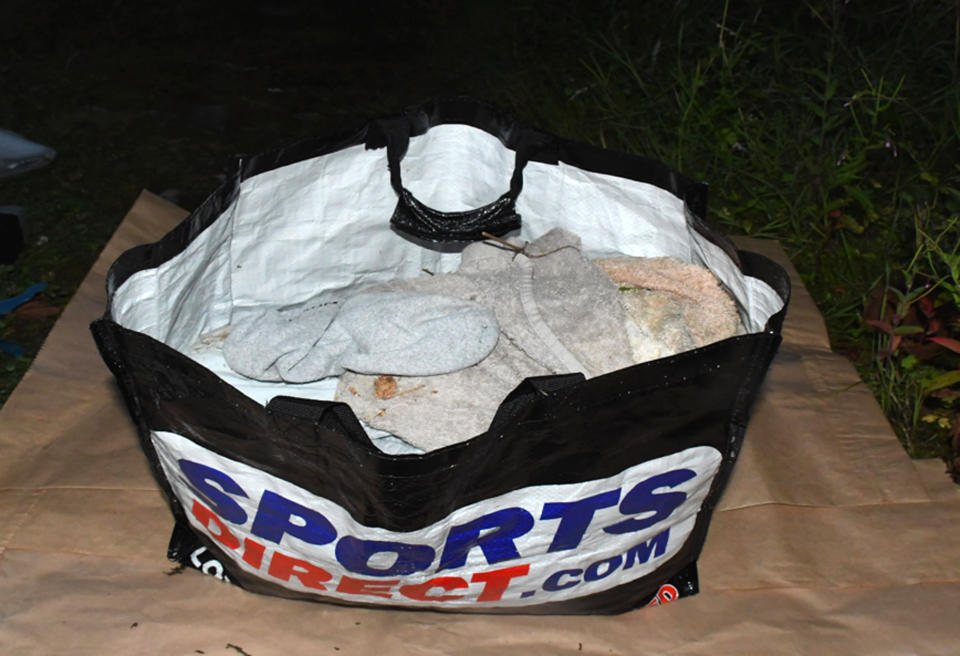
{"x":828,"y":539}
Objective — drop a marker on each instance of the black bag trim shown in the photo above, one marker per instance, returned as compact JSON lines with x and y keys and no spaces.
{"x":413,"y":217}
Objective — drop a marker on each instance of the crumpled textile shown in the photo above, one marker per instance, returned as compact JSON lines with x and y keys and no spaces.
{"x":672,"y":306}
{"x":459,"y":343}
{"x":385,"y":332}
{"x":557,"y":311}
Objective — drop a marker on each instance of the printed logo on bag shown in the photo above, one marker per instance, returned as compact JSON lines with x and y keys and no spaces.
{"x":530,"y":546}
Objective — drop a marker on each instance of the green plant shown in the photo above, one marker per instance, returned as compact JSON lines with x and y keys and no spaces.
{"x":798,"y":145}
{"x":914,"y":368}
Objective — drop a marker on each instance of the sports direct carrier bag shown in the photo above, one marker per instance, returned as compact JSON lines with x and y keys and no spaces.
{"x":445,"y":362}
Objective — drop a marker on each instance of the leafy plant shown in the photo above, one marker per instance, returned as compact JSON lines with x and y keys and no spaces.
{"x":915,"y":368}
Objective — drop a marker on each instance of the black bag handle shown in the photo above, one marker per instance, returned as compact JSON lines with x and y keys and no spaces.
{"x":413,"y":217}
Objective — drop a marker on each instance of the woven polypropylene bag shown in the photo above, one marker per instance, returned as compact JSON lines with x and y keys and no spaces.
{"x":583,"y":496}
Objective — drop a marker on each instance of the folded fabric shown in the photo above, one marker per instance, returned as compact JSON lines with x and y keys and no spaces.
{"x":414,"y":334}
{"x":672,"y":306}
{"x":383,"y":332}
{"x":557,"y":312}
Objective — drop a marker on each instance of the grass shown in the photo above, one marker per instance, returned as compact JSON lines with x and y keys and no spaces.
{"x":833,"y":127}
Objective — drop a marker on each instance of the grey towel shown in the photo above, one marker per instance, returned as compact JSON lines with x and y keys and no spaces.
{"x":384,"y":332}
{"x":267,"y":344}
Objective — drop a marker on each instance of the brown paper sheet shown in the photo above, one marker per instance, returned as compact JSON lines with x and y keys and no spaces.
{"x":828,"y":539}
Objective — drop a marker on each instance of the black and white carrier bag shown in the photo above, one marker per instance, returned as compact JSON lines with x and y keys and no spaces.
{"x":583,"y":496}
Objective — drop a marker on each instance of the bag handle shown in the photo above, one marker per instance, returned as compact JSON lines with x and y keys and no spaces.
{"x":413,"y":217}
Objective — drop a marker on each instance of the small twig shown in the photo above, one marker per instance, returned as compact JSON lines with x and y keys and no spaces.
{"x":504,"y":242}
{"x":412,"y":389}
{"x":385,"y":387}
{"x":522,"y":250}
{"x":175,"y":570}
